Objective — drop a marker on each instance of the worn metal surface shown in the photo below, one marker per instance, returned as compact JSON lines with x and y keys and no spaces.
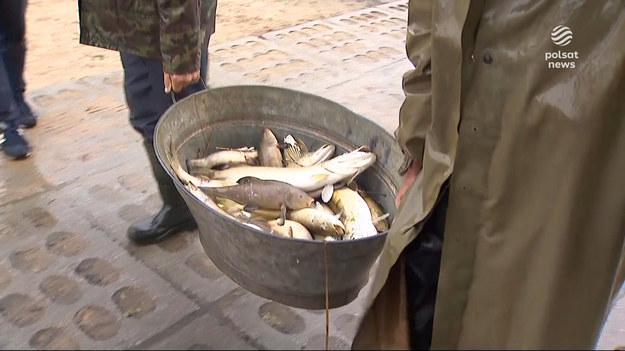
{"x":289,"y":271}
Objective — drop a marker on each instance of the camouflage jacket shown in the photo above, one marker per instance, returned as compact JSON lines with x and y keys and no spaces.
{"x":171,"y":30}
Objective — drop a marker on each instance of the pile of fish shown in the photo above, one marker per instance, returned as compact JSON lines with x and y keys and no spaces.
{"x":288,"y":190}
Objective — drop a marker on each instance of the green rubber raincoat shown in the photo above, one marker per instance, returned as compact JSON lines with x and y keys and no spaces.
{"x":524,"y":102}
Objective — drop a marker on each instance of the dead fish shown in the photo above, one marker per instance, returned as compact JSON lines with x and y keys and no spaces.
{"x":234,"y":207}
{"x":197,"y":181}
{"x":242,"y":156}
{"x":290,"y":229}
{"x":324,"y":153}
{"x":200,"y":195}
{"x":293,"y":149}
{"x":340,"y":168}
{"x":318,"y":221}
{"x":253,"y":222}
{"x":268,"y":194}
{"x":323,"y":207}
{"x":269,"y":153}
{"x":321,"y":237}
{"x":378,"y":216}
{"x":355,"y":213}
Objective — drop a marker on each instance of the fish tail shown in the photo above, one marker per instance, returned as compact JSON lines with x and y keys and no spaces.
{"x":350,"y":163}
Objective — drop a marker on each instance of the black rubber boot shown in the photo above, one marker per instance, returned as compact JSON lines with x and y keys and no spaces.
{"x":173,"y":218}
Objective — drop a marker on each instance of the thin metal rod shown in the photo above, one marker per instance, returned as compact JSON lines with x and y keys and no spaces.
{"x":325,"y":249}
{"x":173,"y":96}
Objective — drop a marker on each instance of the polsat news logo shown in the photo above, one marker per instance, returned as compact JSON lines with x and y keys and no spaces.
{"x":561,"y":36}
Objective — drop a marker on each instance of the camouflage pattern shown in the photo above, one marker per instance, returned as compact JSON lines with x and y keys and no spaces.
{"x":172,"y":30}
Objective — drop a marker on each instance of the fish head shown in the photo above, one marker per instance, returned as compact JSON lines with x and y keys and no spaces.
{"x":299,"y":200}
{"x":269,"y":138}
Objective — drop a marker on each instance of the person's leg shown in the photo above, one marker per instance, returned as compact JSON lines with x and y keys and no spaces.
{"x":147,"y":100}
{"x":422,"y":259}
{"x":13,"y":143}
{"x":14,"y":54}
{"x":138,"y":93}
{"x":144,"y":82}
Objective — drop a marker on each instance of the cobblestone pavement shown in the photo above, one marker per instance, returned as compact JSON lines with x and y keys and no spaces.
{"x":68,"y":276}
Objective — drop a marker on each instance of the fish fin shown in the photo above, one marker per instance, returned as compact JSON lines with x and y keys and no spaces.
{"x":326,"y":193}
{"x":302,"y":146}
{"x":339,"y":230}
{"x":250,"y":208}
{"x":289,"y":139}
{"x":246,"y":180}
{"x":381,"y":218}
{"x":352,"y":179}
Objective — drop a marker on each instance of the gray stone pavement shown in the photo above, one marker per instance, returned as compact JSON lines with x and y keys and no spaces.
{"x":68,"y":276}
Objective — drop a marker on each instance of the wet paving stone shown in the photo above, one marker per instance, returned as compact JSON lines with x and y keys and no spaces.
{"x":53,"y":339}
{"x":134,"y":302}
{"x":21,"y":310}
{"x":115,"y":80}
{"x":7,"y":232}
{"x":174,"y":244}
{"x":346,"y":322}
{"x":281,"y":318}
{"x":61,"y":289}
{"x":58,"y":97}
{"x":228,"y":299}
{"x":153,"y":200}
{"x":65,"y":244}
{"x":97,"y":271}
{"x":31,"y":260}
{"x":105,"y":193}
{"x":203,"y":266}
{"x":5,"y":276}
{"x":132,"y":213}
{"x":131,"y":182}
{"x":97,"y":322}
{"x":318,"y":342}
{"x":40,"y":217}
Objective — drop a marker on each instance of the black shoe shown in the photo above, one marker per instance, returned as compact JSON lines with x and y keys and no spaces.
{"x":27,"y":118}
{"x":14,"y":145}
{"x":166,"y":223}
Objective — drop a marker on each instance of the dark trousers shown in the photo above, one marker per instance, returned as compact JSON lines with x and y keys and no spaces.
{"x":145,"y":91}
{"x":12,"y":55}
{"x":422,"y":259}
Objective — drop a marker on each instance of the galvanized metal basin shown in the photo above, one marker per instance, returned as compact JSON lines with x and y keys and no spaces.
{"x":285,"y":270}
